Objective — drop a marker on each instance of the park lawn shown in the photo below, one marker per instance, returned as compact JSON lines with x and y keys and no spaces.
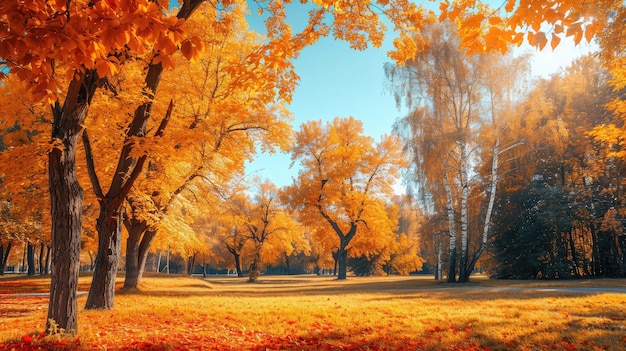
{"x":321,"y":313}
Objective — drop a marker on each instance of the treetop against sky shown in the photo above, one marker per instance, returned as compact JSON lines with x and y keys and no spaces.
{"x":337,"y":81}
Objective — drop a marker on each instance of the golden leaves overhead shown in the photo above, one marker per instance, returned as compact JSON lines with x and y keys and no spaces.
{"x":538,"y":18}
{"x":99,"y":35}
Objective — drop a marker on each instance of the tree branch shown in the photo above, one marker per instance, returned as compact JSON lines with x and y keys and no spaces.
{"x":128,"y":184}
{"x":91,"y":168}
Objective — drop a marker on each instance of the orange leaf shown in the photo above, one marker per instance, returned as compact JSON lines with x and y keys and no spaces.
{"x":103,"y":68}
{"x":186,"y":48}
{"x":554,"y":42}
{"x":495,"y":20}
{"x":474,"y":20}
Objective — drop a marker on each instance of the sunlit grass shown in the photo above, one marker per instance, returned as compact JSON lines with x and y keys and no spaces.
{"x":306,"y":312}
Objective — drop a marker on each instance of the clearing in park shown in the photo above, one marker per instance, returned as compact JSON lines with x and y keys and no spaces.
{"x":320,"y":313}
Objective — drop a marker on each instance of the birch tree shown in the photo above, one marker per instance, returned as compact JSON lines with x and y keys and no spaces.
{"x":451,"y":133}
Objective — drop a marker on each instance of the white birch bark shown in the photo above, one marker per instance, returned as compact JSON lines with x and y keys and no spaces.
{"x":451,"y":229}
{"x":439,"y":257}
{"x":492,"y":197}
{"x":463,"y":271}
{"x":492,"y":193}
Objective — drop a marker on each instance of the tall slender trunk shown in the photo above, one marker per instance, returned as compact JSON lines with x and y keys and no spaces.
{"x":158,"y":263}
{"x":619,"y":254}
{"x":597,"y":265}
{"x":4,"y":257}
{"x":66,"y":200}
{"x":463,"y":272}
{"x":48,"y":258}
{"x":167,"y":261}
{"x":24,"y":267}
{"x":451,"y":231}
{"x":492,"y":199}
{"x":439,"y":245}
{"x":42,"y":259}
{"x":30,"y":257}
{"x":574,"y":253}
{"x":102,"y":291}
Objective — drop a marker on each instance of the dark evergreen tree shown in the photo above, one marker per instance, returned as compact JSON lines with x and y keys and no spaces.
{"x":531,"y":226}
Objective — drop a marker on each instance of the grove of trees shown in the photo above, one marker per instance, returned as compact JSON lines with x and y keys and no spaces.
{"x":134,"y":118}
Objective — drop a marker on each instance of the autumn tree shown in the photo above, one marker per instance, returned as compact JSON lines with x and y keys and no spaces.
{"x":345,"y":183}
{"x":404,"y":256}
{"x":23,"y":183}
{"x":459,"y":104}
{"x":558,"y":153}
{"x":266,"y":224}
{"x":233,"y":239}
{"x":531,"y":235}
{"x":219,"y":122}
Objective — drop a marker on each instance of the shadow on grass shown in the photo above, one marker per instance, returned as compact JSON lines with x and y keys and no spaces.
{"x":398,"y":287}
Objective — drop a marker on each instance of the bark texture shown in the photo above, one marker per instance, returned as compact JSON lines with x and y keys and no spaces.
{"x":102,"y":291}
{"x":66,"y":199}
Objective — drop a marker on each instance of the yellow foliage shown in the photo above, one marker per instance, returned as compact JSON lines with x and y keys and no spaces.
{"x":476,"y":21}
{"x":346,"y":183}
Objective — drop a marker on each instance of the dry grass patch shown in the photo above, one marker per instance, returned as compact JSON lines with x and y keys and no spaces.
{"x":321,"y":313}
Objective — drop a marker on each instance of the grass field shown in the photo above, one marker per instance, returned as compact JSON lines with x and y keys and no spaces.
{"x":321,"y":313}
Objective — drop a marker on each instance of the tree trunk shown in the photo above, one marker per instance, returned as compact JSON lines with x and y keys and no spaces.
{"x":574,"y":253}
{"x":492,"y":199}
{"x":24,"y":267}
{"x":66,"y":200}
{"x":102,"y":291}
{"x":439,"y":245}
{"x":342,"y":263}
{"x":30,"y":257}
{"x":451,"y":232}
{"x":191,"y":264}
{"x":463,"y":273}
{"x":203,"y":267}
{"x":287,"y":264}
{"x":237,"y":258}
{"x":167,"y":261}
{"x":48,"y":259}
{"x":42,"y":260}
{"x":138,"y":244}
{"x":597,"y":265}
{"x":144,"y":249}
{"x":4,"y":257}
{"x":131,"y":281}
{"x":255,"y":271}
{"x":158,"y":263}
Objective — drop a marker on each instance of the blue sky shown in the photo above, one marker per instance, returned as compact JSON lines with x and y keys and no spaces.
{"x":336,"y":81}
